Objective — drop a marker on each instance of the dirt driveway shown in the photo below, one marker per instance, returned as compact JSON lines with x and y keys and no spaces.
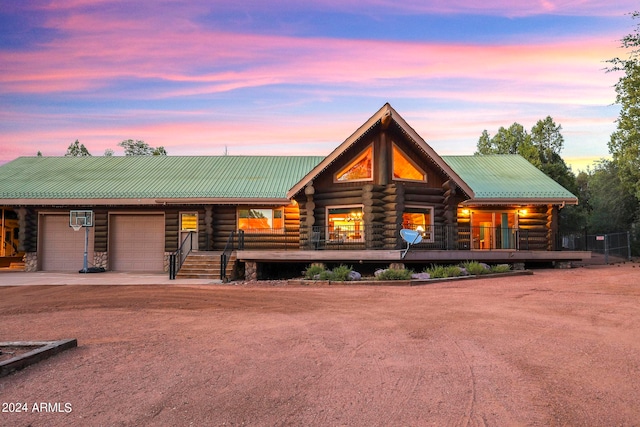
{"x":560,"y":347}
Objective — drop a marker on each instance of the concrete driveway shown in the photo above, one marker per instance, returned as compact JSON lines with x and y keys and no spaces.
{"x":21,"y":278}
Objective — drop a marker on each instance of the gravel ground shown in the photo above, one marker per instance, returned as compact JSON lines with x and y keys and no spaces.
{"x":556,"y":348}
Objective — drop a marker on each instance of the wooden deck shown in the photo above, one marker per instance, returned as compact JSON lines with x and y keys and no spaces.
{"x":415,"y":256}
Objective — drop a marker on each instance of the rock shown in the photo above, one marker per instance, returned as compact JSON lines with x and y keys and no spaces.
{"x":354,"y":275}
{"x":421,"y":276}
{"x":379,"y":272}
{"x":485,"y":266}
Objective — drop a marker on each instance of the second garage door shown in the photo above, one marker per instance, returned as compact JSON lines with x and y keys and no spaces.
{"x":136,"y":243}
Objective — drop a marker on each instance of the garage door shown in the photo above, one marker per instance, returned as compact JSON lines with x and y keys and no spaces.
{"x":136,"y":243}
{"x":61,"y":248}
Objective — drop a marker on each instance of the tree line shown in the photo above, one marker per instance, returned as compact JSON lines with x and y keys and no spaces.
{"x":131,"y":148}
{"x":609,"y":192}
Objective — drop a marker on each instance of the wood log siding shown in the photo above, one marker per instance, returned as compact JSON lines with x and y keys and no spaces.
{"x":101,"y":230}
{"x":383,"y":206}
{"x":27,"y":230}
{"x":534,"y":232}
{"x":223,"y":223}
{"x":373,"y":215}
{"x":535,"y":228}
{"x":171,"y":227}
{"x":202,"y":230}
{"x":552,"y":227}
{"x":208,"y":224}
{"x":393,"y":199}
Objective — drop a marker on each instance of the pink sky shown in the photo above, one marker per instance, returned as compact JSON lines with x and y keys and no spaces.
{"x":201,"y":76}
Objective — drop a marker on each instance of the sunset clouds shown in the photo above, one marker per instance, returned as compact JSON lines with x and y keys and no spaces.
{"x":283,"y":77}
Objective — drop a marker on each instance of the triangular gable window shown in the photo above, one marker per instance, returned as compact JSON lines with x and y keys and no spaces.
{"x":404,"y":168}
{"x":360,"y":169}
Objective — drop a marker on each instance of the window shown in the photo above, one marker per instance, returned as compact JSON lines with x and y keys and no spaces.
{"x":420,"y":219}
{"x":345,"y":224}
{"x":189,"y":222}
{"x":260,"y":219}
{"x":360,"y":169}
{"x":404,"y":168}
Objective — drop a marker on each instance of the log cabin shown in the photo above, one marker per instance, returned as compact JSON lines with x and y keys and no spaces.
{"x":225,"y":216}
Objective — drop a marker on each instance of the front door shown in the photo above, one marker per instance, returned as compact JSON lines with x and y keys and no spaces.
{"x":188,"y":225}
{"x":493,"y":230}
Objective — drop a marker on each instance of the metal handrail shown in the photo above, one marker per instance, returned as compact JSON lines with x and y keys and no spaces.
{"x":224,"y":258}
{"x":176,"y":259}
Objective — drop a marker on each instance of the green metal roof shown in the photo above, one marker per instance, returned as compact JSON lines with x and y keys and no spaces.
{"x":491,"y":177}
{"x":153,"y":177}
{"x":505,"y":176}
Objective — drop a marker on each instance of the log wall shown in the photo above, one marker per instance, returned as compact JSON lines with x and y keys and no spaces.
{"x":28,"y":229}
{"x":100,"y":230}
{"x":536,"y":225}
{"x":223,"y":223}
{"x":383,"y":198}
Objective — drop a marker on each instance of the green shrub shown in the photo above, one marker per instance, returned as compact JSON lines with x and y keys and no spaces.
{"x":474,"y":267}
{"x":313,"y":270}
{"x":441,"y":271}
{"x":393,"y":274}
{"x":341,"y":273}
{"x":338,"y":274}
{"x":500,"y":268}
{"x":326,"y":275}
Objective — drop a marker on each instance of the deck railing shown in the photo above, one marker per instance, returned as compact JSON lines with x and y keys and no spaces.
{"x":381,"y":237}
{"x":226,"y":254}
{"x":177,"y":258}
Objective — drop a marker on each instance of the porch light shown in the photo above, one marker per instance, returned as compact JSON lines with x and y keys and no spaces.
{"x":465,"y":211}
{"x":522,"y":212}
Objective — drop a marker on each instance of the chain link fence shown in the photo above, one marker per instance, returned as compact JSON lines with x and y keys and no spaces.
{"x":611,"y":246}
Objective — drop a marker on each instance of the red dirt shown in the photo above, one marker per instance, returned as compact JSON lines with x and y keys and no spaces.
{"x":560,"y":347}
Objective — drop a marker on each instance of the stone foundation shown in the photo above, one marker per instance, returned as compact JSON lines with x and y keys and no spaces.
{"x":101,"y":259}
{"x":251,"y":270}
{"x":31,"y":262}
{"x":518,"y":265}
{"x":167,"y":255}
{"x":562,"y":264}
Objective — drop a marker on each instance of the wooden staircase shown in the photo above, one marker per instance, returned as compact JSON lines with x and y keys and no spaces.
{"x":205,"y":265}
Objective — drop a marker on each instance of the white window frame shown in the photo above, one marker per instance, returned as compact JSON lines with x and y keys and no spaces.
{"x":260,"y":208}
{"x":373,"y":156}
{"x":330,"y":238}
{"x":410,"y":160}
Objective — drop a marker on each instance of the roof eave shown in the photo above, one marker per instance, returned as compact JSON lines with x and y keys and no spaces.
{"x":148,"y":201}
{"x":383,"y":113}
{"x":520,"y":201}
{"x":337,"y":152}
